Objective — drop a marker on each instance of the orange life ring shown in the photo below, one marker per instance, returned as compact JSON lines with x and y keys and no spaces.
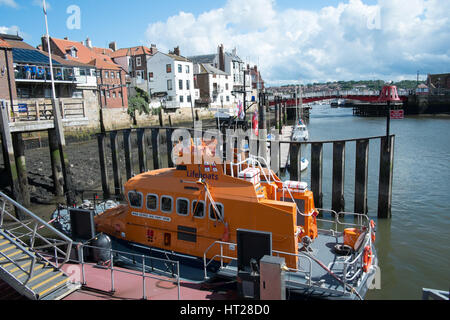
{"x":367,"y":258}
{"x":372,"y":226}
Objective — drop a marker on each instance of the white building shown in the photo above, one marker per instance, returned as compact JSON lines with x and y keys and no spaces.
{"x":215,"y":86}
{"x":230,"y":63}
{"x":171,"y":76}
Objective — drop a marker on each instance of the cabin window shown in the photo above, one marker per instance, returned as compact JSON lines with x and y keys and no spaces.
{"x":152,"y":202}
{"x":212,"y":214}
{"x":183,"y":206}
{"x":198,"y":209}
{"x":166,"y":204}
{"x":135,"y":199}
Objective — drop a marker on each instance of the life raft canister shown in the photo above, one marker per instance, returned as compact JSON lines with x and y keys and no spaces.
{"x":367,"y":258}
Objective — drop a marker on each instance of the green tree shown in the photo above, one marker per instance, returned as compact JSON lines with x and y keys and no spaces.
{"x":138,"y":104}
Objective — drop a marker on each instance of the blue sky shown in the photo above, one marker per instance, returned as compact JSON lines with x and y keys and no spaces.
{"x":290,"y":40}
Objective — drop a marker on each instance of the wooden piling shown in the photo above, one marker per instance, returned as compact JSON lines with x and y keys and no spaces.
{"x":275,"y":152}
{"x":65,"y":164}
{"x":156,"y":149}
{"x":103,"y":170}
{"x":385,"y":178}
{"x":338,"y":202}
{"x":160,"y":116}
{"x":316,"y":173}
{"x":141,"y":144}
{"x":295,"y":163}
{"x":361,"y":175}
{"x":19,"y":153}
{"x":57,"y":174}
{"x":128,"y":153}
{"x":169,"y":147}
{"x":115,"y":163}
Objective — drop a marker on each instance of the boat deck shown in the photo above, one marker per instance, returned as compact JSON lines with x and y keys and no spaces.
{"x":129,"y":287}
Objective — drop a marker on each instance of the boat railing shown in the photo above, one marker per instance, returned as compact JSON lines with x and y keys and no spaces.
{"x":30,"y":233}
{"x":362,"y":220}
{"x":221,"y":255}
{"x":300,"y":256}
{"x":351,"y":265}
{"x":109,"y":265}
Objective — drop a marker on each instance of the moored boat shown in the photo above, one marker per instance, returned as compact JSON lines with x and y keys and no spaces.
{"x":192,"y":212}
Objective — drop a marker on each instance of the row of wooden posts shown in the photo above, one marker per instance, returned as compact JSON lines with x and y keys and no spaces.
{"x":158,"y":147}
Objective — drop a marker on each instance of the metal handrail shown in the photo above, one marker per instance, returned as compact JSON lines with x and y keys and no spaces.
{"x":143,"y":274}
{"x":38,"y":225}
{"x":205,"y":265}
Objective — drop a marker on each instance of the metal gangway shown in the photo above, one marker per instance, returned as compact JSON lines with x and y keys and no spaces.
{"x":23,"y":243}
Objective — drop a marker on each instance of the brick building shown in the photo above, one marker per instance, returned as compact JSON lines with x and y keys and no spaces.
{"x":7,"y":83}
{"x":111,"y":77}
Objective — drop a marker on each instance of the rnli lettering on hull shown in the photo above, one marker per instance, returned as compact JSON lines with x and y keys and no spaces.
{"x":151,"y":216}
{"x":208,"y":176}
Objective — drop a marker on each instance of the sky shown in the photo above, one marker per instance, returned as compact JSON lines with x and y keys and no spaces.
{"x":291,"y":41}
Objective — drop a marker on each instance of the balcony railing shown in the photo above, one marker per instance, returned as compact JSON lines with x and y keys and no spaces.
{"x":42,"y":73}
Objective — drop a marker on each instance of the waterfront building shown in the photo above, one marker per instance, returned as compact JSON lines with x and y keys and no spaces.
{"x":171,"y":80}
{"x":214,"y":84}
{"x":230,"y":63}
{"x":134,"y":61}
{"x":111,"y":77}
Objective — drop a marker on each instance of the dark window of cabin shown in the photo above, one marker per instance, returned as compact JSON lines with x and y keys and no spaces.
{"x":135,"y":199}
{"x":212,"y":214}
{"x":166,"y":204}
{"x":198,"y":209}
{"x":182,"y":206}
{"x":152,"y":202}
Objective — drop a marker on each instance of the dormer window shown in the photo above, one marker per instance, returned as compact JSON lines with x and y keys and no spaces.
{"x":73,"y":52}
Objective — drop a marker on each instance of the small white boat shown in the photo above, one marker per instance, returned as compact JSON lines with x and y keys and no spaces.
{"x":304,"y":164}
{"x":300,"y":132}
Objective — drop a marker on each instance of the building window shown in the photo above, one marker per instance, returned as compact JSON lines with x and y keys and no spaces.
{"x":150,"y":76}
{"x":187,"y":69}
{"x":188,"y":85}
{"x":114,"y":95}
{"x":152,"y":202}
{"x":226,"y":86}
{"x":112,"y":75}
{"x":228,"y":98}
{"x":138,"y":61}
{"x":183,"y":206}
{"x":169,"y":84}
{"x":107,"y":94}
{"x":180,"y":84}
{"x":120,"y":94}
{"x":180,"y":68}
{"x":166,"y":204}
{"x":118,"y":75}
{"x":168,"y":68}
{"x":181,"y":98}
{"x":106,"y":74}
{"x":188,"y":98}
{"x":73,"y":53}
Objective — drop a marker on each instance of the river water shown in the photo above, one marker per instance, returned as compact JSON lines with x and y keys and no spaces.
{"x":414,"y":245}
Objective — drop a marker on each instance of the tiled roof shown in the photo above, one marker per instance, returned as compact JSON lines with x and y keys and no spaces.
{"x":177,"y":58}
{"x":4,"y":44}
{"x":98,"y":57}
{"x":133,"y":51}
{"x":210,"y":69}
{"x":207,"y":58}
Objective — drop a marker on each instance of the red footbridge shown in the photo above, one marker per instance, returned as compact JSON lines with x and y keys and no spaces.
{"x":370,"y":96}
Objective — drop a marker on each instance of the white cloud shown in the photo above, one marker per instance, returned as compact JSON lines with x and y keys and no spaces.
{"x":392,"y":39}
{"x":9,"y":30}
{"x":9,"y":3}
